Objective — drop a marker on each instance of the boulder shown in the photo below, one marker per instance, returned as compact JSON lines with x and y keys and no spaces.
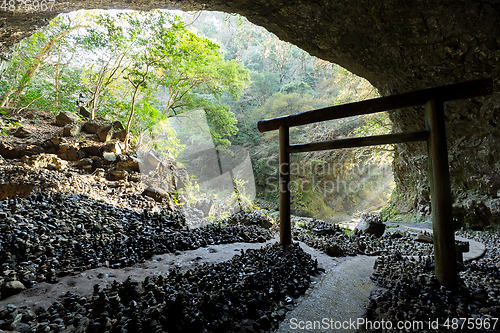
{"x":114,"y":175}
{"x":66,"y":118}
{"x":34,"y":150}
{"x":11,"y":288}
{"x":8,"y":151}
{"x":334,"y":251}
{"x":205,"y":206}
{"x":91,"y":127}
{"x":113,"y":147}
{"x":21,"y":132}
{"x":68,"y":152}
{"x":149,"y":161}
{"x":159,"y":195}
{"x":72,"y":130}
{"x":117,"y":126}
{"x":83,"y":112}
{"x":57,"y":141}
{"x":120,"y":135}
{"x":105,"y":133}
{"x":46,"y":161}
{"x":128,"y":163}
{"x":92,"y":151}
{"x":370,"y":224}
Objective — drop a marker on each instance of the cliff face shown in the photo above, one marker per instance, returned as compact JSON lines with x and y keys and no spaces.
{"x":399,"y":46}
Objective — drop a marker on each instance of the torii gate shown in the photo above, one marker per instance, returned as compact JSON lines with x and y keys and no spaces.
{"x":434,"y":134}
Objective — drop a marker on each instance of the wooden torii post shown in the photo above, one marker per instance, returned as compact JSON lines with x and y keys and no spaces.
{"x":435,"y":135}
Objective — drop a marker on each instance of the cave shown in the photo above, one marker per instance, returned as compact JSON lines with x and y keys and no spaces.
{"x":398,"y":47}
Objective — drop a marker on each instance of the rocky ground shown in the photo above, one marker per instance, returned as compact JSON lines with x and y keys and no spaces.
{"x":410,"y":292}
{"x":62,"y":215}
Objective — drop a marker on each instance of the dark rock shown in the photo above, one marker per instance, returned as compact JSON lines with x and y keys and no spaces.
{"x":83,"y":112}
{"x":22,"y":328}
{"x":68,"y":152}
{"x":334,"y":251}
{"x":92,"y":150}
{"x":34,"y":150}
{"x":8,"y":151}
{"x":120,"y":135}
{"x":117,"y":126}
{"x":127,"y":163}
{"x":91,"y":127}
{"x":85,"y":164}
{"x":159,"y":195}
{"x":72,"y":130}
{"x":370,"y":224}
{"x":97,"y":162}
{"x":114,"y":175}
{"x":66,"y":118}
{"x":12,"y":288}
{"x":57,"y":141}
{"x":105,"y":133}
{"x":21,"y":132}
{"x":423,"y":238}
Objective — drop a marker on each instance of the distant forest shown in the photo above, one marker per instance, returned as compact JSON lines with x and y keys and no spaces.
{"x":141,"y":68}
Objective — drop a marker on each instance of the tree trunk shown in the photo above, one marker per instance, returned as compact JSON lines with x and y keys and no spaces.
{"x":132,"y":109}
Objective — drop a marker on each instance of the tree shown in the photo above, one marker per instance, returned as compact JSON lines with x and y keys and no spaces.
{"x":110,"y":48}
{"x":189,"y":69}
{"x":42,"y":44}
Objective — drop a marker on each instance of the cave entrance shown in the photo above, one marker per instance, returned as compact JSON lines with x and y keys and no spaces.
{"x":435,"y":135}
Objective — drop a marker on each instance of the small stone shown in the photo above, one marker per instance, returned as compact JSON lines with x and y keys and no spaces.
{"x":85,"y":163}
{"x":21,"y":132}
{"x":114,"y":175}
{"x":423,"y":239}
{"x":12,"y":287}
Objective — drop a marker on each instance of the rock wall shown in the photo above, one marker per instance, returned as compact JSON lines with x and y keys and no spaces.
{"x":399,"y":46}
